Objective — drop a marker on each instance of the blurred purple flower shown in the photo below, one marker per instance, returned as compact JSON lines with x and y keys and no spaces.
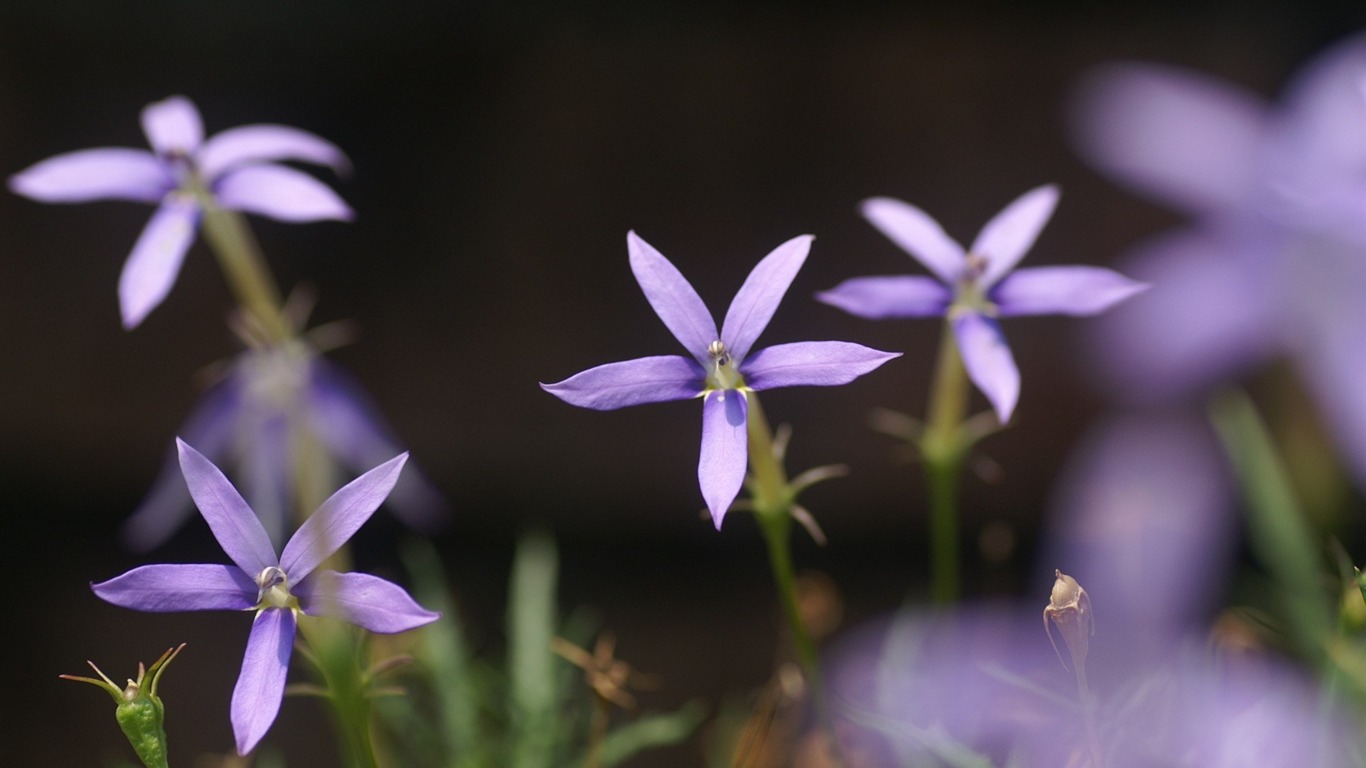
{"x":981,"y":686}
{"x":274,"y":399}
{"x":721,"y":362}
{"x":974,"y":287}
{"x":276,"y":588}
{"x":236,"y":167}
{"x":1275,"y":263}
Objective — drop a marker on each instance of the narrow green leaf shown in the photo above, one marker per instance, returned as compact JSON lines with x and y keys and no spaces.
{"x":649,"y":731}
{"x":531,"y":667}
{"x":1278,"y":530}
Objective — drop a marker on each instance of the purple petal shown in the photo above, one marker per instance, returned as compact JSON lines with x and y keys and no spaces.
{"x":1062,"y":291}
{"x":918,"y":235}
{"x":882,"y":297}
{"x":152,"y":267}
{"x":231,"y":520}
{"x":167,"y":505}
{"x":261,"y":685}
{"x":364,"y":600}
{"x":280,"y":193}
{"x":725,"y":446}
{"x":631,"y":382}
{"x":173,"y":126}
{"x":759,"y":296}
{"x":344,"y":512}
{"x":1181,"y":137}
{"x":811,"y":363}
{"x":171,"y":588}
{"x":1211,"y":312}
{"x":672,"y":297}
{"x":987,"y":358}
{"x":252,"y":144}
{"x":1143,"y":517}
{"x":1012,"y":232}
{"x":341,"y":414}
{"x":94,"y":174}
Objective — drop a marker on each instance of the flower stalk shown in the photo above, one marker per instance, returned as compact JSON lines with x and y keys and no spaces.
{"x":774,"y":499}
{"x":943,"y":445}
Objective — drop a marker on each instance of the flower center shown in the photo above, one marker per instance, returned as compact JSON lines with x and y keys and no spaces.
{"x":274,"y":589}
{"x":722,"y":373}
{"x":970,"y":295}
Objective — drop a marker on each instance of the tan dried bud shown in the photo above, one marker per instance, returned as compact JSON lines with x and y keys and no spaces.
{"x":1070,"y":609}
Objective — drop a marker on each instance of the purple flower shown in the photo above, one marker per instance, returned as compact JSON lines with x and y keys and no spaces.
{"x":276,"y":588}
{"x":722,"y":368}
{"x":274,"y":399}
{"x":1275,"y":263}
{"x":236,"y":167}
{"x":975,"y":287}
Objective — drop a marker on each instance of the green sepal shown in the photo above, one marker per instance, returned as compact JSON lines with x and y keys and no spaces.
{"x":140,"y":714}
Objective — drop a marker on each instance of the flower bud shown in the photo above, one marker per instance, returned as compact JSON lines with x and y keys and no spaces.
{"x":140,"y":713}
{"x":1070,"y":609}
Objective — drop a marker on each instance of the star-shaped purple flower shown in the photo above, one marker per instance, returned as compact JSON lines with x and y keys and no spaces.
{"x":273,"y":398}
{"x":276,"y":588}
{"x":975,"y":287}
{"x":722,"y":368}
{"x":236,"y":167}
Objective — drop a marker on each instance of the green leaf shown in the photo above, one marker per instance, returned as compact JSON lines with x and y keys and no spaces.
{"x":656,"y":730}
{"x":1278,"y":530}
{"x":533,"y":694}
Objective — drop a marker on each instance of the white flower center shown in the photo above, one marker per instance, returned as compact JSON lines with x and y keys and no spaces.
{"x":722,"y":373}
{"x":274,"y":589}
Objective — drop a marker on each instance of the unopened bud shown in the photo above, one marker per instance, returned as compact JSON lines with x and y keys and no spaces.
{"x":1070,"y":609}
{"x":140,"y":713}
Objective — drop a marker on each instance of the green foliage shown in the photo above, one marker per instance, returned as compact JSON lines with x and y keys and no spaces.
{"x":533,"y":711}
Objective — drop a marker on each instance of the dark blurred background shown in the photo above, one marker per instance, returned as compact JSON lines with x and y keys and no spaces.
{"x":501,"y":153}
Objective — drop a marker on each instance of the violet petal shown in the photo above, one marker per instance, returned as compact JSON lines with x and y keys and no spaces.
{"x":231,"y":520}
{"x":1176,"y":135}
{"x":657,"y":379}
{"x":260,"y":687}
{"x":1012,"y":232}
{"x":725,"y":444}
{"x":180,"y":587}
{"x":987,"y":358}
{"x":252,"y":144}
{"x":95,"y":174}
{"x":344,"y":512}
{"x":210,"y":427}
{"x":889,"y":296}
{"x":759,"y":296}
{"x":918,"y":234}
{"x":154,"y":263}
{"x":364,"y":600}
{"x":173,"y":126}
{"x":280,"y":193}
{"x":1062,"y":291}
{"x":672,"y":297}
{"x":811,"y":363}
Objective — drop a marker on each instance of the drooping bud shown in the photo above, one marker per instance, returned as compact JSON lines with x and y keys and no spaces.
{"x":1070,"y":609}
{"x":140,"y":713}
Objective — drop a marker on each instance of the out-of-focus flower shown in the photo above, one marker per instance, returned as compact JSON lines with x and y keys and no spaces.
{"x":973,"y":288}
{"x":276,"y":588}
{"x":722,"y":368}
{"x":980,"y":685}
{"x":234,"y":169}
{"x":274,"y":399}
{"x":1275,"y":263}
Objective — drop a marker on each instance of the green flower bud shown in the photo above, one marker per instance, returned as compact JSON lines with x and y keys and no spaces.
{"x":139,"y":710}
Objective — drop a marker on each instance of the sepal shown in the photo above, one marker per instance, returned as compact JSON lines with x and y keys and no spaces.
{"x":140,"y":713}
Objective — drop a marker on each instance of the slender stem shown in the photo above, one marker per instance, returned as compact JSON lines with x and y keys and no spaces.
{"x":942,"y":448}
{"x":240,"y":258}
{"x":772,"y":505}
{"x":1088,"y":712}
{"x":334,"y":649}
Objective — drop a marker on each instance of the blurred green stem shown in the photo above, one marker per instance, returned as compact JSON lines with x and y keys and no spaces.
{"x":942,"y":447}
{"x":240,"y":258}
{"x":773,"y":498}
{"x":334,"y":650}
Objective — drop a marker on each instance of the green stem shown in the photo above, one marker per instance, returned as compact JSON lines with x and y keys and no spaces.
{"x":240,"y":258}
{"x":773,"y":499}
{"x":942,"y":449}
{"x":333,"y":648}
